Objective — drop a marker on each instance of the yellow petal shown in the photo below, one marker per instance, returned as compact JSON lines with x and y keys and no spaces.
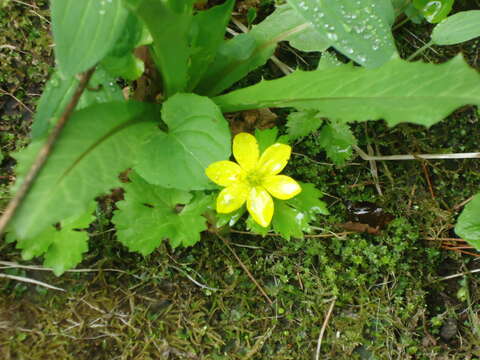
{"x":232,"y":198}
{"x":274,"y":159}
{"x":260,"y":206}
{"x":224,"y":173}
{"x":245,"y":150}
{"x":281,"y":186}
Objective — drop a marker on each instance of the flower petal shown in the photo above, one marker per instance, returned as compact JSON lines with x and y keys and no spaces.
{"x":274,"y":159}
{"x":245,"y":150}
{"x":232,"y":198}
{"x":224,"y":173}
{"x":260,"y":206}
{"x":281,"y":186}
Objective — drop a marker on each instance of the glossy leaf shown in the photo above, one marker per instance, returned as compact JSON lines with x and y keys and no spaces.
{"x":337,"y":140}
{"x":399,"y":91}
{"x":468,"y":224}
{"x":308,"y":202}
{"x":458,"y":28}
{"x":197,"y":136}
{"x":303,"y":123}
{"x":254,"y":227}
{"x":358,"y":29}
{"x":169,"y":24}
{"x":85,"y":31}
{"x":58,"y":93}
{"x":434,"y":11}
{"x":208,"y":34}
{"x":245,"y":52}
{"x":149,"y":214}
{"x":288,"y":221}
{"x":95,"y":146}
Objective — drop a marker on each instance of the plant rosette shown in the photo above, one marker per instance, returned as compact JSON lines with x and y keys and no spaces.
{"x":254,"y":179}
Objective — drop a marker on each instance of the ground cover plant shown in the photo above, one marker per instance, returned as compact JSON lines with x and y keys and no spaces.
{"x":163,"y":143}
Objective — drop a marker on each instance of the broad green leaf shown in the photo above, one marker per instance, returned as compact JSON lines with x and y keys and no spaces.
{"x":245,"y":52}
{"x":169,"y":23}
{"x":358,"y":29}
{"x":95,"y":146}
{"x":434,"y":11}
{"x":288,"y":221}
{"x":58,"y":93}
{"x":197,"y":136}
{"x":399,"y":91}
{"x":308,"y":202}
{"x":337,"y":140}
{"x":468,"y":224}
{"x":303,"y":123}
{"x":85,"y":31}
{"x":208,"y":34}
{"x":455,"y":29}
{"x":149,"y":214}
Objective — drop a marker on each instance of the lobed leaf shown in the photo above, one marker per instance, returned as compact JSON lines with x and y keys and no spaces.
{"x":399,"y":91}
{"x":95,"y":146}
{"x":302,"y":123}
{"x":197,"y":136}
{"x":149,"y":214}
{"x":468,"y":224}
{"x":85,"y":31}
{"x":337,"y":140}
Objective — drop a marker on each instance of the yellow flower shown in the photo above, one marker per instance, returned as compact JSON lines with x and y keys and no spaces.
{"x":253,"y":179}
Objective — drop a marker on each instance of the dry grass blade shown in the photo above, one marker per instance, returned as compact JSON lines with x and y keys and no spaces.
{"x":324,"y":327}
{"x":30,"y":281}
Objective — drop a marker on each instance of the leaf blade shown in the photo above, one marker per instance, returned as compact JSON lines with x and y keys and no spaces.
{"x":383,"y":93}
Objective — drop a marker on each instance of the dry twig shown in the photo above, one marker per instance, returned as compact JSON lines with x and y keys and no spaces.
{"x":322,"y":330}
{"x":44,"y":153}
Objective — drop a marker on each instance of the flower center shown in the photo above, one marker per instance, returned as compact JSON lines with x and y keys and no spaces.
{"x":254,"y":178}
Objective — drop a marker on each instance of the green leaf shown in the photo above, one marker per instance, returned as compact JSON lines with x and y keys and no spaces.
{"x":455,"y":29}
{"x":95,"y":146}
{"x":358,"y":29}
{"x":85,"y":31}
{"x":59,"y":91}
{"x":197,"y":136}
{"x":63,"y":247}
{"x":308,"y":202}
{"x":337,"y":140}
{"x":468,"y":224}
{"x":208,"y":34}
{"x":288,"y":221}
{"x":68,"y":245}
{"x":121,"y":61}
{"x":149,"y":214}
{"x":266,"y":137}
{"x":245,"y":52}
{"x":302,"y":123}
{"x":169,"y":23}
{"x":399,"y":91}
{"x":229,"y":219}
{"x":434,"y":11}
{"x":256,"y":228}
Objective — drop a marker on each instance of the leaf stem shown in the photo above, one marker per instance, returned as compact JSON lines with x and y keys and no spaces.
{"x":44,"y":153}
